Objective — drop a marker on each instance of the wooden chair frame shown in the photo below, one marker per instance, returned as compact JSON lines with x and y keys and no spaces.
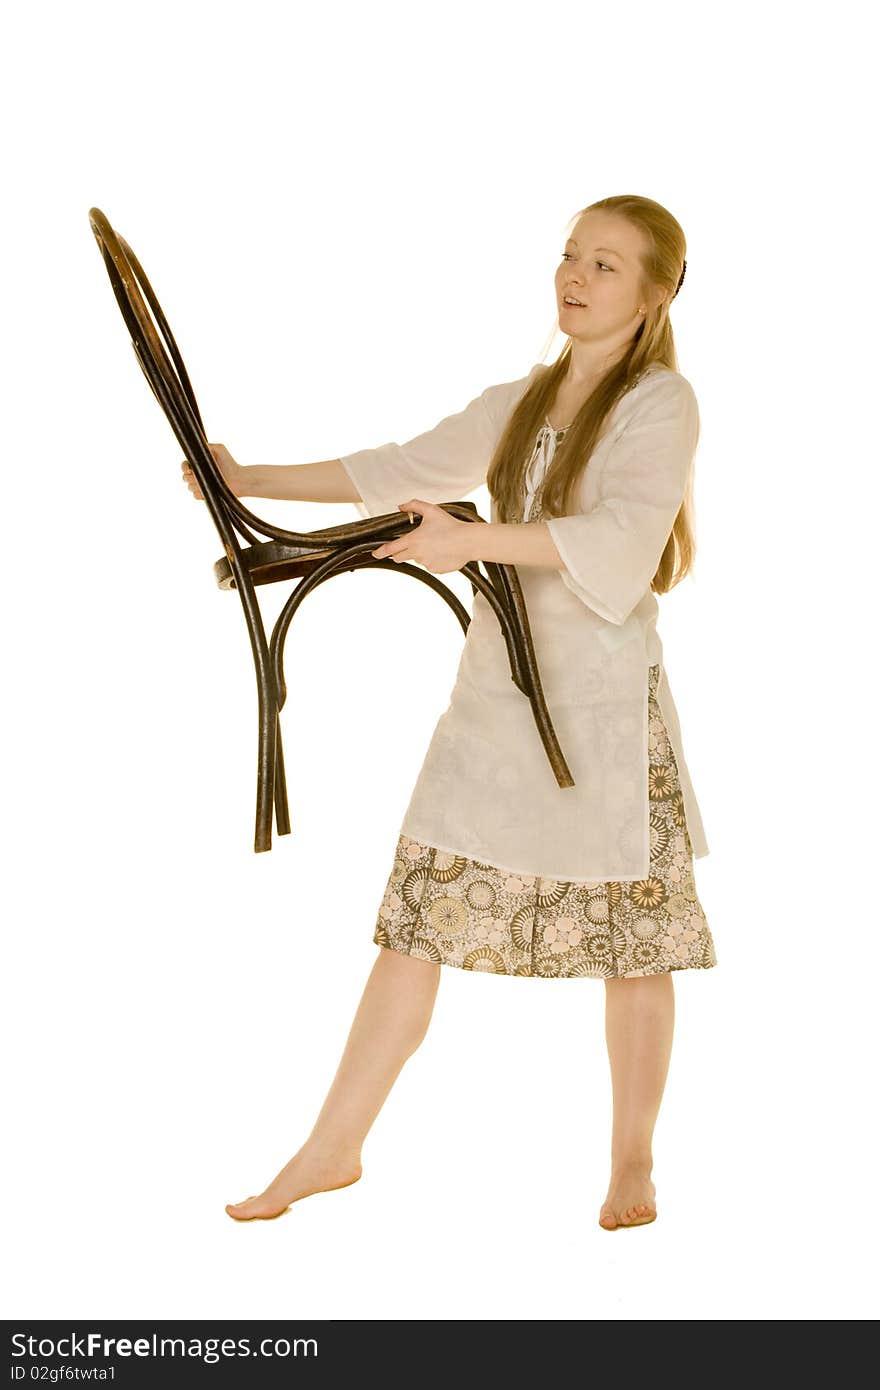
{"x":311,"y":557}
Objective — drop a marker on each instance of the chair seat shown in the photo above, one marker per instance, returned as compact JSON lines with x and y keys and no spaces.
{"x":270,"y":561}
{"x":267,"y":562}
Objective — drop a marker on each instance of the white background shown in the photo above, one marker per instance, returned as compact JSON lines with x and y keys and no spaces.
{"x":352,"y":217}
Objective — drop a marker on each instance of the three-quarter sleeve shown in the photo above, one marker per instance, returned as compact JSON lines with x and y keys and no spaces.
{"x":442,"y":465}
{"x":611,"y":553}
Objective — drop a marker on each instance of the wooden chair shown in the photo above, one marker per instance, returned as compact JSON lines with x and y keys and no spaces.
{"x":310,"y":557}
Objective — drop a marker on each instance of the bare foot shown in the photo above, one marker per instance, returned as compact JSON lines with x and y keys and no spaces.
{"x":630,"y":1200}
{"x":307,"y":1172}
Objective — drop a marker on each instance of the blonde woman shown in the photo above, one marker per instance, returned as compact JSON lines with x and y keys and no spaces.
{"x":589,"y":465}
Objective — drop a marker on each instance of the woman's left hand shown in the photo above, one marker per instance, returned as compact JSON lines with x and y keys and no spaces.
{"x":439,"y":542}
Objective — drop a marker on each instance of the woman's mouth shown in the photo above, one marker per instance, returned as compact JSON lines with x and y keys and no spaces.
{"x":567,"y":304}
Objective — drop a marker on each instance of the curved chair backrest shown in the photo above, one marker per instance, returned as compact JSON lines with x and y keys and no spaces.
{"x":162,"y":365}
{"x":166,"y":374}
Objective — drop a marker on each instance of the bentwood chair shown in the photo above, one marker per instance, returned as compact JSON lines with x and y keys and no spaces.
{"x":310,"y":557}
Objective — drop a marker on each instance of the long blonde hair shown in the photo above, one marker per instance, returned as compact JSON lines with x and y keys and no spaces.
{"x":653,"y":344}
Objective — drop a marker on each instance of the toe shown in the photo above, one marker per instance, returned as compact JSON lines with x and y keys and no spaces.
{"x":638,"y":1215}
{"x":607,"y":1219}
{"x":240,"y":1208}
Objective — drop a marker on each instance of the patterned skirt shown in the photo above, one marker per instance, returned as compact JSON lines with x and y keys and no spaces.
{"x":457,"y":911}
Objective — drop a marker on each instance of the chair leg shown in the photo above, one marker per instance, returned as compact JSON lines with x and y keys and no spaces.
{"x":282,"y":811}
{"x":268,"y":726}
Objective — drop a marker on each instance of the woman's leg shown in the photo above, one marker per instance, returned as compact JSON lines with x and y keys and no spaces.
{"x":391,"y":1020}
{"x":639,"y":1018}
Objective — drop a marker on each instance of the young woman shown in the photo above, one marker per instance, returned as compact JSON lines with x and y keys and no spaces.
{"x":589,"y":464}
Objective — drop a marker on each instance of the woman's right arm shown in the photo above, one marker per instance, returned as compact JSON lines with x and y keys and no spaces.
{"x":442,"y":464}
{"x":326,"y":481}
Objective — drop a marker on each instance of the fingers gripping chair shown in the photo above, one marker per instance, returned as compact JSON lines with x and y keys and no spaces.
{"x":310,"y":557}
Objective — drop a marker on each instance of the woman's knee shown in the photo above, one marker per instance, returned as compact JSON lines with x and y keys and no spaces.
{"x":416,"y":981}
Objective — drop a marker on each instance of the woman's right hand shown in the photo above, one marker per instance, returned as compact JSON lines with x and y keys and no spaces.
{"x":233,"y":473}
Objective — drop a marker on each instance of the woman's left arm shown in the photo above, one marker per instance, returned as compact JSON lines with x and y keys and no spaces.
{"x":609,"y":555}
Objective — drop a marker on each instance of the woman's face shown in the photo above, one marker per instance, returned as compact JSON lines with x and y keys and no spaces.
{"x":601,"y":267}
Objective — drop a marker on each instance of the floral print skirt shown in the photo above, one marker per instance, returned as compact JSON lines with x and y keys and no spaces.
{"x":457,"y":911}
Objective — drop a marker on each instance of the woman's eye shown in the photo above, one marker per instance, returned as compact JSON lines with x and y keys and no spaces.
{"x":567,"y":256}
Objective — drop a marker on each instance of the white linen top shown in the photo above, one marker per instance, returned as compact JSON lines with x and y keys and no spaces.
{"x":486,"y":789}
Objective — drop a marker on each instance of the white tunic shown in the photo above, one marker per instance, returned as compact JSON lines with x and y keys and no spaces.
{"x":486,"y":789}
